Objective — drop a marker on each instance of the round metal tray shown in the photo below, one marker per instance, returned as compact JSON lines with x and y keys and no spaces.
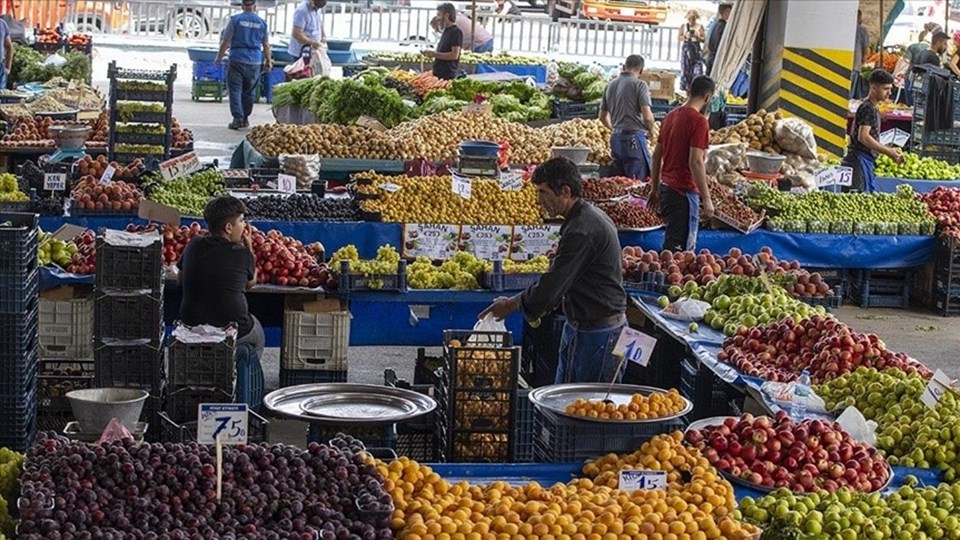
{"x":707,"y":422}
{"x":348,"y":403}
{"x":555,"y":399}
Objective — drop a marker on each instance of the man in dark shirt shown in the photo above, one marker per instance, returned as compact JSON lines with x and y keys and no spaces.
{"x":933,"y":55}
{"x":446,"y":59}
{"x":716,"y":34}
{"x":625,"y":109}
{"x":585,"y":276}
{"x":216,"y":270}
{"x":865,"y":134}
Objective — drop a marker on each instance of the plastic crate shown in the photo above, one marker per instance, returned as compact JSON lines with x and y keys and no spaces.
{"x":186,"y":431}
{"x":18,"y":242}
{"x":142,"y":95}
{"x":18,"y":432}
{"x":250,"y":384}
{"x":143,"y":117}
{"x":558,"y":439}
{"x":209,"y":71}
{"x":129,"y":268}
{"x":946,"y":304}
{"x":14,"y":385}
{"x":883,"y":288}
{"x":207,"y":89}
{"x":948,"y":255}
{"x":18,"y":344}
{"x":123,"y":315}
{"x":480,"y":411}
{"x":523,"y":428}
{"x":710,"y":395}
{"x":315,"y":340}
{"x":501,"y":281}
{"x":471,"y":447}
{"x":66,"y":328}
{"x":418,"y":446}
{"x":347,"y":281}
{"x":269,"y":80}
{"x":293,"y":377}
{"x":371,"y":437}
{"x":181,"y":405}
{"x":202,"y":364}
{"x":568,"y":110}
{"x":56,"y":378}
{"x":945,"y":137}
{"x":482,"y":361}
{"x":128,"y":365}
{"x":19,"y":292}
{"x":159,"y":139}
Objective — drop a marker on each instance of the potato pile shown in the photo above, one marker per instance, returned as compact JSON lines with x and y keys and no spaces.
{"x":436,"y":137}
{"x":429,"y":199}
{"x":756,"y":131}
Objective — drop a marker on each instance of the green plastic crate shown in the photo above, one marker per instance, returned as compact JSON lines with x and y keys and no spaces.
{"x":214,"y":90}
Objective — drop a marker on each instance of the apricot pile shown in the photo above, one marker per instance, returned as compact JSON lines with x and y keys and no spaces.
{"x":641,"y":407}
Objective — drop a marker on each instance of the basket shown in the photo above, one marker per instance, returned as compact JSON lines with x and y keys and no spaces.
{"x":129,"y":268}
{"x":66,"y":328}
{"x":202,"y":364}
{"x":128,"y":316}
{"x":128,"y":365}
{"x":316,"y":340}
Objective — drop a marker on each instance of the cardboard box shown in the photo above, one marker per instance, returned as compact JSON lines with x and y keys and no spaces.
{"x":663,"y":84}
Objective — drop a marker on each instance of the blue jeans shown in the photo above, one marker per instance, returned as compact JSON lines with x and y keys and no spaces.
{"x":484,"y":47}
{"x":242,"y":87}
{"x":631,"y":157}
{"x":586,"y":356}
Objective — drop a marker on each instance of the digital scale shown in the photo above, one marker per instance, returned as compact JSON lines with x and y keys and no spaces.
{"x":589,"y":171}
{"x":478,"y":166}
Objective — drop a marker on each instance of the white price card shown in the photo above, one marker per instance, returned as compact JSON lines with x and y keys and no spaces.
{"x":886,"y":137}
{"x":530,"y":241}
{"x":635,"y":345}
{"x":390,"y":187}
{"x":894,"y":137}
{"x":179,"y":166}
{"x":938,"y":385}
{"x":636,"y":480}
{"x":461,"y":185}
{"x":487,"y":242}
{"x":511,"y":181}
{"x":286,"y":183}
{"x":228,"y":421}
{"x":54,"y":182}
{"x":436,"y":241}
{"x":107,"y":174}
{"x":834,"y":176}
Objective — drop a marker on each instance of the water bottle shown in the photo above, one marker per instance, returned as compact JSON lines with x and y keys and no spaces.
{"x":801,"y":392}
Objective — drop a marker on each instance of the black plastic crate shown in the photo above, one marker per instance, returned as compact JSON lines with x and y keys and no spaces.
{"x":558,"y":439}
{"x":129,"y":268}
{"x":18,"y":433}
{"x":186,"y":432}
{"x":419,"y":446}
{"x":181,"y":404}
{"x":710,"y":395}
{"x":498,"y":280}
{"x":54,"y":420}
{"x":56,"y":378}
{"x":948,"y":255}
{"x":128,"y":365}
{"x":18,"y":345}
{"x":141,"y":95}
{"x":946,"y":305}
{"x":125,"y":315}
{"x":293,"y":377}
{"x":479,"y":447}
{"x":370,"y":436}
{"x":883,"y":288}
{"x":523,"y":428}
{"x":141,"y":138}
{"x":347,"y":281}
{"x":567,"y":110}
{"x":202,"y":364}
{"x":19,"y":291}
{"x":945,"y":137}
{"x":424,"y":370}
{"x":114,"y":72}
{"x":478,"y":360}
{"x":18,"y":240}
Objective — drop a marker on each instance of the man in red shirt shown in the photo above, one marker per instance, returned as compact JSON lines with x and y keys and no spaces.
{"x":679,"y":159}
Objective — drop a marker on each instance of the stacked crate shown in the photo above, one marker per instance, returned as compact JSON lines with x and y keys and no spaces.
{"x":941,"y":144}
{"x":149,"y":94}
{"x":416,"y":439}
{"x":19,"y":314}
{"x":314,"y":348}
{"x":128,"y":316}
{"x":66,"y":356}
{"x":888,"y":288}
{"x":477,"y":396}
{"x":946,"y":277}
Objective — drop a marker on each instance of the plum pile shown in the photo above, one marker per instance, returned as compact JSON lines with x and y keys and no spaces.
{"x":301,"y":207}
{"x":125,"y":490}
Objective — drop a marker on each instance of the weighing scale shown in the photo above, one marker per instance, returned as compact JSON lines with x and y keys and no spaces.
{"x":478,"y":166}
{"x":70,"y":142}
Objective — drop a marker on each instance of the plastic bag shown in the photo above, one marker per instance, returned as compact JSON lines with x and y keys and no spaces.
{"x":320,"y":63}
{"x":115,"y":432}
{"x":853,"y":422}
{"x":486,"y":324}
{"x":783,"y":394}
{"x":795,"y":136}
{"x":686,"y":309}
{"x":297,"y":69}
{"x":55,"y":60}
{"x":305,"y":167}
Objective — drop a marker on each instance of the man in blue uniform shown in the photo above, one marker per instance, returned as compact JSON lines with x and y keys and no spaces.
{"x":247,"y":39}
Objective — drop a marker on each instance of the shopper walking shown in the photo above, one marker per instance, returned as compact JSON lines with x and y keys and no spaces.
{"x":585,"y":277}
{"x":691,"y":54}
{"x":679,"y":179}
{"x":865,"y":134}
{"x":247,"y":40}
{"x":446,"y":57}
{"x":625,"y":109}
{"x":716,"y":35}
{"x":307,"y":27}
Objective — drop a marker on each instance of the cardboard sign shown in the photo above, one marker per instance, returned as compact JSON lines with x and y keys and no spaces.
{"x":436,"y":241}
{"x":154,"y":211}
{"x":68,"y":232}
{"x":530,"y":241}
{"x":894,"y":137}
{"x":636,"y":480}
{"x":834,"y":176}
{"x":107,"y":174}
{"x":227,"y":422}
{"x":461,"y":185}
{"x":179,"y":166}
{"x":511,"y":181}
{"x":635,"y":345}
{"x":390,"y":187}
{"x":478,"y":108}
{"x":487,"y":242}
{"x":936,"y":388}
{"x":54,"y":182}
{"x":286,"y":183}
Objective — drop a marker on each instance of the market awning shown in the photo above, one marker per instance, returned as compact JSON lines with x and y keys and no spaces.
{"x":737,"y":41}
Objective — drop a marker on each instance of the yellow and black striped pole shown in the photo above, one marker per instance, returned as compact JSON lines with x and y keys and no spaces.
{"x":815,"y":86}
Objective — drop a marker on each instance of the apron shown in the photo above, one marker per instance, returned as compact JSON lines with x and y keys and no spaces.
{"x":864,"y":166}
{"x":630,"y":154}
{"x":693,"y":199}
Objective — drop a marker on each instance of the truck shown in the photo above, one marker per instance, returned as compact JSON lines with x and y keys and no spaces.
{"x":633,"y":11}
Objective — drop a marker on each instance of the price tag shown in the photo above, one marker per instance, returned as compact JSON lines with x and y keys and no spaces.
{"x":637,"y":480}
{"x":461,"y":185}
{"x":228,"y":421}
{"x":487,"y":242}
{"x":900,"y":138}
{"x":886,"y":137}
{"x":834,"y":176}
{"x":55,"y":181}
{"x":107,"y":174}
{"x":938,"y":385}
{"x":530,"y":241}
{"x":286,"y":183}
{"x":635,"y":345}
{"x":179,"y":166}
{"x":511,"y":181}
{"x":390,"y":187}
{"x":436,"y":241}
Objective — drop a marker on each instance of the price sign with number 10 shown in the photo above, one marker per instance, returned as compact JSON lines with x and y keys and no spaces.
{"x":635,"y":346}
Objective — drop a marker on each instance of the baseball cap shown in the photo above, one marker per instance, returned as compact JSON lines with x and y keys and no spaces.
{"x":248,"y":2}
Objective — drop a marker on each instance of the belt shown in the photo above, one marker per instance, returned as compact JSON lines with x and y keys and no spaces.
{"x":605,"y":322}
{"x":629,"y":131}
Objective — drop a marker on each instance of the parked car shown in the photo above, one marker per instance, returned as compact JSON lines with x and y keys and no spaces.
{"x":93,"y":16}
{"x":188,"y":19}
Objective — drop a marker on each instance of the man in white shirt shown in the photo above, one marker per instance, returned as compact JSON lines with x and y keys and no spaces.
{"x":307,"y":27}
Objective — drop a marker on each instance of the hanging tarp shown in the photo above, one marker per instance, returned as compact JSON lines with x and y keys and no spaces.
{"x":737,"y":41}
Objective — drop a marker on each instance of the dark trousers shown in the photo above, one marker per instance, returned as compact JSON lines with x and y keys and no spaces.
{"x":631,"y":157}
{"x":242,"y":87}
{"x":681,"y":214}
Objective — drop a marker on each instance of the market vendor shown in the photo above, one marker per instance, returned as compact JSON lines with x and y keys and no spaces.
{"x":216,"y":271}
{"x":585,"y":276}
{"x":446,"y":57}
{"x":679,"y":177}
{"x":6,"y":52}
{"x":247,"y":38}
{"x":865,"y":134}
{"x":307,"y":27}
{"x":626,"y":110}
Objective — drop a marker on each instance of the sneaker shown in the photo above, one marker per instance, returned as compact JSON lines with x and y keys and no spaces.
{"x":235,"y":125}
{"x":246,"y":123}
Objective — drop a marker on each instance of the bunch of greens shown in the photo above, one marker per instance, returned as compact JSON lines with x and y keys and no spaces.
{"x":515,"y":101}
{"x":343,"y":102}
{"x":296,"y":93}
{"x":28,"y":66}
{"x":577,"y":83}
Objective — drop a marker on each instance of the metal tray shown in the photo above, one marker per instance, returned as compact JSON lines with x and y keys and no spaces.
{"x":349,"y":403}
{"x":72,"y":431}
{"x":555,"y":399}
{"x":707,"y":422}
